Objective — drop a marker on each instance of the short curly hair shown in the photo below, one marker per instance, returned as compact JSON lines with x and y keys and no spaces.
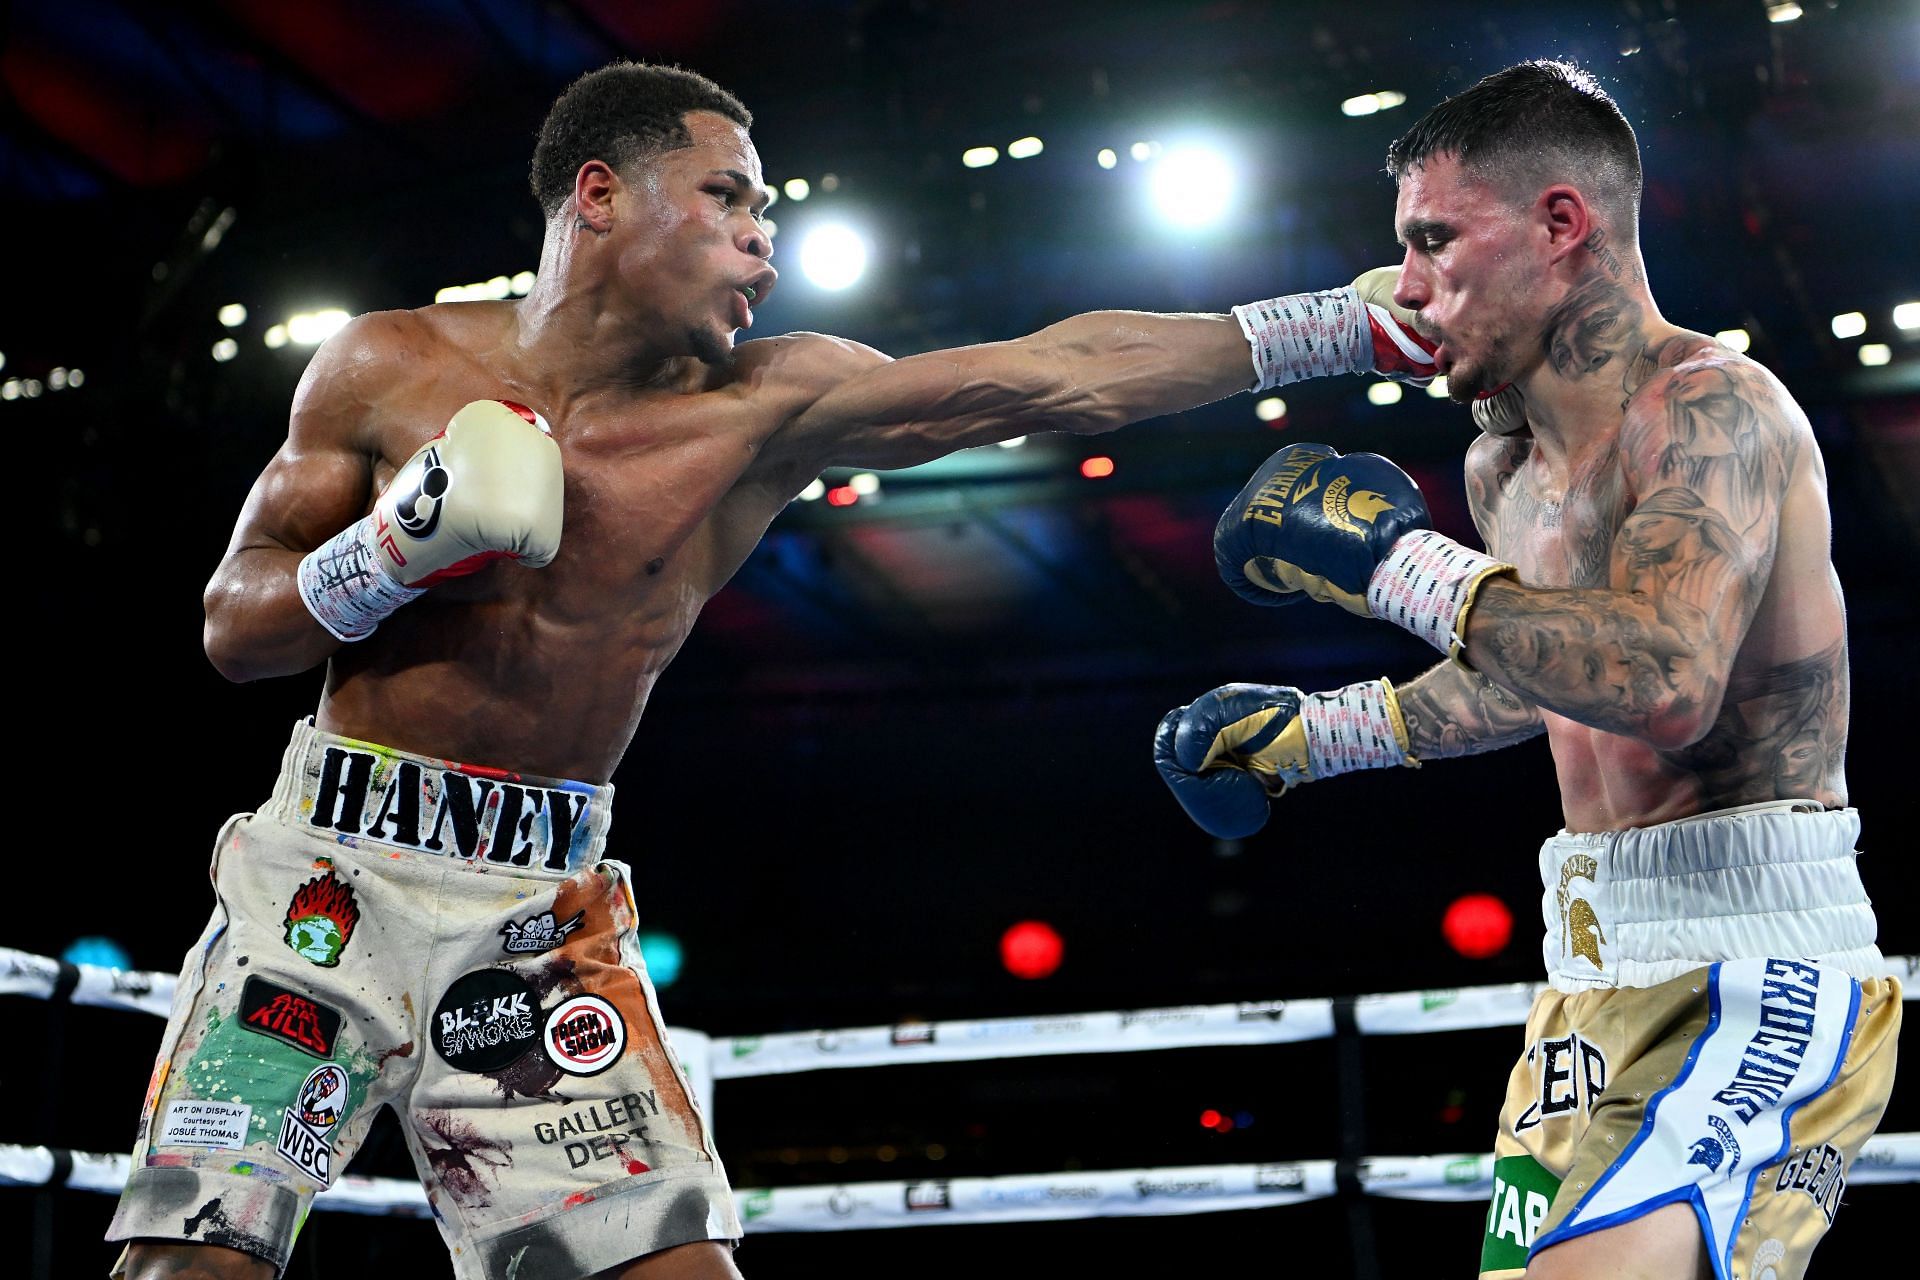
{"x":625,"y":111}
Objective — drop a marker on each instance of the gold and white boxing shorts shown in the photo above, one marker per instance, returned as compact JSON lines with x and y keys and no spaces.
{"x":1720,"y":1033}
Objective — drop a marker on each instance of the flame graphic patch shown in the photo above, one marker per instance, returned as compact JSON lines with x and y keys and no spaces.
{"x":320,"y":919}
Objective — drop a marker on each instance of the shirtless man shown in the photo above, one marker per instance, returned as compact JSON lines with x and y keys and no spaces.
{"x":397,"y":927}
{"x":1719,"y":1033}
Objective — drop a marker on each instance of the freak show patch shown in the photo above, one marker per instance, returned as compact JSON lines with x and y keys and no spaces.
{"x":485,"y":1020}
{"x":320,"y":918}
{"x":269,"y":1009}
{"x":584,"y":1036}
{"x":537,"y":932}
{"x":311,"y":1120}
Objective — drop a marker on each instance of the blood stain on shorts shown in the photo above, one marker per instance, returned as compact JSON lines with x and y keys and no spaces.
{"x":461,"y":1166}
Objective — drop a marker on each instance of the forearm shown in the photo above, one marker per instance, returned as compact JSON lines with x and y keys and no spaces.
{"x":257,"y":624}
{"x":1451,"y":711}
{"x":1111,"y":368}
{"x":1622,"y":663}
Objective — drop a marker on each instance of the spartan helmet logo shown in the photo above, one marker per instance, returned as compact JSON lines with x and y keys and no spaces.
{"x":1342,"y":504}
{"x":1707,"y":1152}
{"x":417,"y":506}
{"x":1579,"y":926}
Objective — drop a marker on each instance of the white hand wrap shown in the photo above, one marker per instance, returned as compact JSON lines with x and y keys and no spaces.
{"x":1358,"y":727}
{"x":346,"y":587}
{"x":1306,"y":335}
{"x":1426,"y":584}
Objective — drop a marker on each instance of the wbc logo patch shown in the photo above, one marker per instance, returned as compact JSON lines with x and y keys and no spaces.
{"x":307,"y":1128}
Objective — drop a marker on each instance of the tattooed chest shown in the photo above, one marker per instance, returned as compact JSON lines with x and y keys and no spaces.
{"x":1559,"y":537}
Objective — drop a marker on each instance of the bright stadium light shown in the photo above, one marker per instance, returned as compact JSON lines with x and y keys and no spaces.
{"x":1107,"y":158}
{"x":1270,"y":409}
{"x":797,"y":189}
{"x":979,"y":157}
{"x":1873,"y":353}
{"x":310,"y":328}
{"x":225,"y":350}
{"x":1849,"y":324}
{"x":864,"y":483}
{"x":1025,"y":148}
{"x":833,"y":256}
{"x":1384,"y":393}
{"x":1734,"y":339}
{"x":1907,"y":315}
{"x":1438,"y":387}
{"x":275,"y":337}
{"x":1785,"y":12}
{"x":813,"y":490}
{"x":233,"y":315}
{"x":1193,"y":186}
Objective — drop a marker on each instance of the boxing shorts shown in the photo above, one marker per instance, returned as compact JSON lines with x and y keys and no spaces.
{"x":1719,"y":1031}
{"x":446,"y":940}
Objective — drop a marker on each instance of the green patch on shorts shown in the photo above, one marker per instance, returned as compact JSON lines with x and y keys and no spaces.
{"x":233,"y":1064}
{"x":1522,"y":1194}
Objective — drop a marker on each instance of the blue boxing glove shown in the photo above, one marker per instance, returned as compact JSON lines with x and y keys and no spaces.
{"x":1349,"y":530}
{"x":1230,"y":752}
{"x":1312,"y":522}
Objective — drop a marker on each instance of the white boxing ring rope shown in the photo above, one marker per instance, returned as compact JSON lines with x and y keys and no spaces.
{"x":1886,"y":1158}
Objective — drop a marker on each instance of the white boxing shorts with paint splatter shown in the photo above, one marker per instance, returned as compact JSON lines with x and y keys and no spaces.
{"x":445,"y":940}
{"x":1719,"y":1032}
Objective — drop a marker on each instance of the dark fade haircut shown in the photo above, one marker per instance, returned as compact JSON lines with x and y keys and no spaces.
{"x":1523,"y":128}
{"x":624,"y":112}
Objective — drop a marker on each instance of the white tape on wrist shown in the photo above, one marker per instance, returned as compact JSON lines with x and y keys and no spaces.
{"x":1306,"y":335}
{"x":1426,"y":584}
{"x":346,"y":588}
{"x":1358,"y":727}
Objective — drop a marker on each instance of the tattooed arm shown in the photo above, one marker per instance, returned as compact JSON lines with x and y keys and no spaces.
{"x":1706,"y":448}
{"x":1451,"y":711}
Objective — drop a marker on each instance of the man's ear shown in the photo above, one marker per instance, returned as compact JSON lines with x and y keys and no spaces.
{"x":593,"y":190}
{"x":1563,"y":213}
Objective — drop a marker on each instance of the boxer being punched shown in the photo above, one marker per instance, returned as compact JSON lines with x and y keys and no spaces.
{"x":1719,"y":1035}
{"x":495,"y":523}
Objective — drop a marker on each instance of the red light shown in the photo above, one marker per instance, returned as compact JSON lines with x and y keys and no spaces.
{"x":1477,"y":925}
{"x":1097,"y":468}
{"x":1031,"y":949}
{"x":1209,"y":1118}
{"x":843,"y":496}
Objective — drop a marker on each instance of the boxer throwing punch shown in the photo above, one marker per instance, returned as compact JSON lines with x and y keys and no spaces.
{"x":495,"y":523}
{"x":1719,"y":1035}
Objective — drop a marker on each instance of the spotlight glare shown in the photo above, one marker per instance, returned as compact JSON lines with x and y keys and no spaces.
{"x":842,"y":496}
{"x":10,"y":389}
{"x":797,"y":188}
{"x":1362,"y":105}
{"x":1270,"y":409}
{"x":1107,"y":158}
{"x":1874,"y":353}
{"x":1438,"y":387}
{"x":979,"y":157}
{"x":310,"y":328}
{"x":833,"y":256}
{"x":1097,"y":468}
{"x":1389,"y":99}
{"x":1907,"y":315}
{"x":30,"y":388}
{"x":1734,"y":339}
{"x":813,"y":491}
{"x":1384,"y":393}
{"x":75,"y":377}
{"x":1786,"y":12}
{"x":1025,"y":148}
{"x":521,"y":284}
{"x":1140,"y":150}
{"x":225,"y":350}
{"x":233,"y":315}
{"x":1013,"y":443}
{"x":56,"y":379}
{"x":865,"y":483}
{"x":276,"y":337}
{"x":3,"y":359}
{"x":1193,"y":187}
{"x":1850,"y":324}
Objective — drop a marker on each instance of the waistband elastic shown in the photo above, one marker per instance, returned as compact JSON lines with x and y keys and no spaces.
{"x":1639,"y":907}
{"x":361,"y":793}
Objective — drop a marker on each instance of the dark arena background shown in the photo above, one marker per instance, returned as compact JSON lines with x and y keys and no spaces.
{"x":921,"y":713}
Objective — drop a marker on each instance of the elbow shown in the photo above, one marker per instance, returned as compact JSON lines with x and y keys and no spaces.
{"x":227,"y":657}
{"x":1684,"y":719}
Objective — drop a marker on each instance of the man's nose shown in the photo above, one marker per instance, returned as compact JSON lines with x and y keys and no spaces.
{"x":754,"y":240}
{"x":1410,"y":291}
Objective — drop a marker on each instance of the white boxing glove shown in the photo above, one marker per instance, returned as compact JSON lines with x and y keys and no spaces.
{"x":1357,"y":329}
{"x":1501,"y":411}
{"x":489,"y":487}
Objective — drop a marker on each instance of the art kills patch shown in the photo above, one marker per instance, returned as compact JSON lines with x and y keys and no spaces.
{"x":584,"y":1036}
{"x":320,"y":919}
{"x":311,"y":1120}
{"x":301,"y":1021}
{"x":485,"y":1020}
{"x":537,"y":932}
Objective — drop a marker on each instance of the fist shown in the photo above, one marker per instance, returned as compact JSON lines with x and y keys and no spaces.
{"x":1399,"y":352}
{"x":1229,"y":752}
{"x":487,"y":488}
{"x":1312,"y":522}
